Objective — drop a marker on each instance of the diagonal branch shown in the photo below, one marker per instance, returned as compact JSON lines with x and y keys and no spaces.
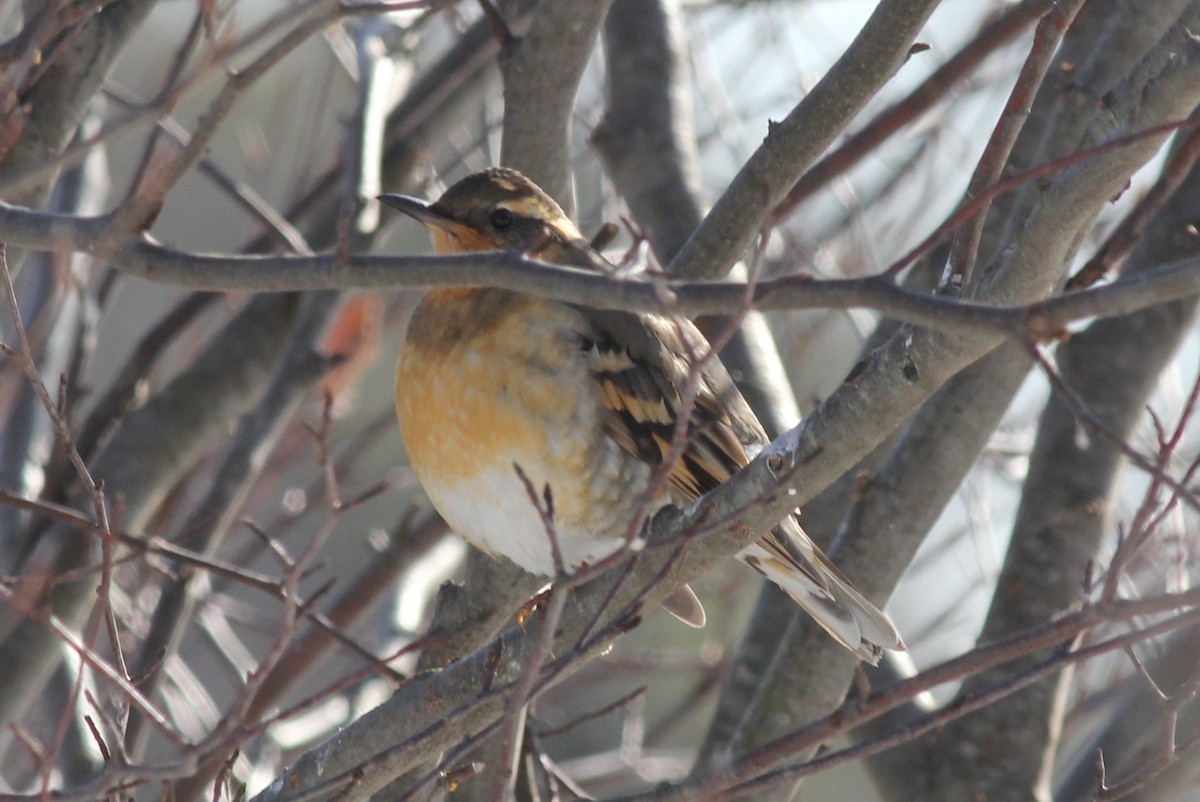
{"x":795,"y":142}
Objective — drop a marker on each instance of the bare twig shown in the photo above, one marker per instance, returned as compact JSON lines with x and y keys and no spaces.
{"x":163,"y":166}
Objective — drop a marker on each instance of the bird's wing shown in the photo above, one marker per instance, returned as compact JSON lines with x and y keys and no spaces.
{"x":642,"y":366}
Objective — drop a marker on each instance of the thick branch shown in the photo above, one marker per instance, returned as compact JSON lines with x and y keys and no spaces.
{"x":1105,"y":44}
{"x":1065,"y":515}
{"x":647,"y":137}
{"x":795,"y":143}
{"x":59,"y":98}
{"x":541,"y":72}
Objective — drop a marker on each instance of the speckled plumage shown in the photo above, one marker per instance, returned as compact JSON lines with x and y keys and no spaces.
{"x":467,"y":421}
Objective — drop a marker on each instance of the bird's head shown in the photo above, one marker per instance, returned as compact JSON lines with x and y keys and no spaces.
{"x":499,"y":209}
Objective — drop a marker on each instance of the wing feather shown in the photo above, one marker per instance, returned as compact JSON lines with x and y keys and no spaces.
{"x":643,"y":363}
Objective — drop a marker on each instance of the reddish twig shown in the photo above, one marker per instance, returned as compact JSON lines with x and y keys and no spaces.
{"x":1128,"y":233}
{"x":1049,"y":32}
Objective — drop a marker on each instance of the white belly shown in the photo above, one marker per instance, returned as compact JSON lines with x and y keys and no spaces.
{"x":493,"y":509}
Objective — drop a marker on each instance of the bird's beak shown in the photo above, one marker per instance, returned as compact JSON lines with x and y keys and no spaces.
{"x":448,"y":234}
{"x":419,"y":210}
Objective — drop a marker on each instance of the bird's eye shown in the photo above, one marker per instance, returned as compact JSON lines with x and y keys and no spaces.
{"x":502,"y":218}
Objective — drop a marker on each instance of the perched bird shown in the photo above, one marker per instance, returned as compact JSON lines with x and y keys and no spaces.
{"x":498,"y":392}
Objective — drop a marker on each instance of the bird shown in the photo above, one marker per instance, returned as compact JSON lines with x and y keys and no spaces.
{"x":536,"y":426}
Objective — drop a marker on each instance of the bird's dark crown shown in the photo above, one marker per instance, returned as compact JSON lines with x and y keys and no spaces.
{"x":475,"y":198}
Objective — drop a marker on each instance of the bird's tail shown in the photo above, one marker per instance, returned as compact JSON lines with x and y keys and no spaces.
{"x":792,"y":561}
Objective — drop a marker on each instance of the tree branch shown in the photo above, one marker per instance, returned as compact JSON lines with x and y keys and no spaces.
{"x":793,"y":144}
{"x":1064,"y":518}
{"x":542,"y":69}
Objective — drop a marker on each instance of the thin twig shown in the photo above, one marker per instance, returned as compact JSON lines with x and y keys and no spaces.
{"x":1097,"y":426}
{"x":1128,"y":233}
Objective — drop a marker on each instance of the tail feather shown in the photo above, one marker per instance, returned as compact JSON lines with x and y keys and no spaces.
{"x":792,"y":561}
{"x":686,"y":606}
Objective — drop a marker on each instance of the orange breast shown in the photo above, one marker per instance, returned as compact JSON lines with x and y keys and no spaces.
{"x":486,"y":378}
{"x":490,"y":379}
